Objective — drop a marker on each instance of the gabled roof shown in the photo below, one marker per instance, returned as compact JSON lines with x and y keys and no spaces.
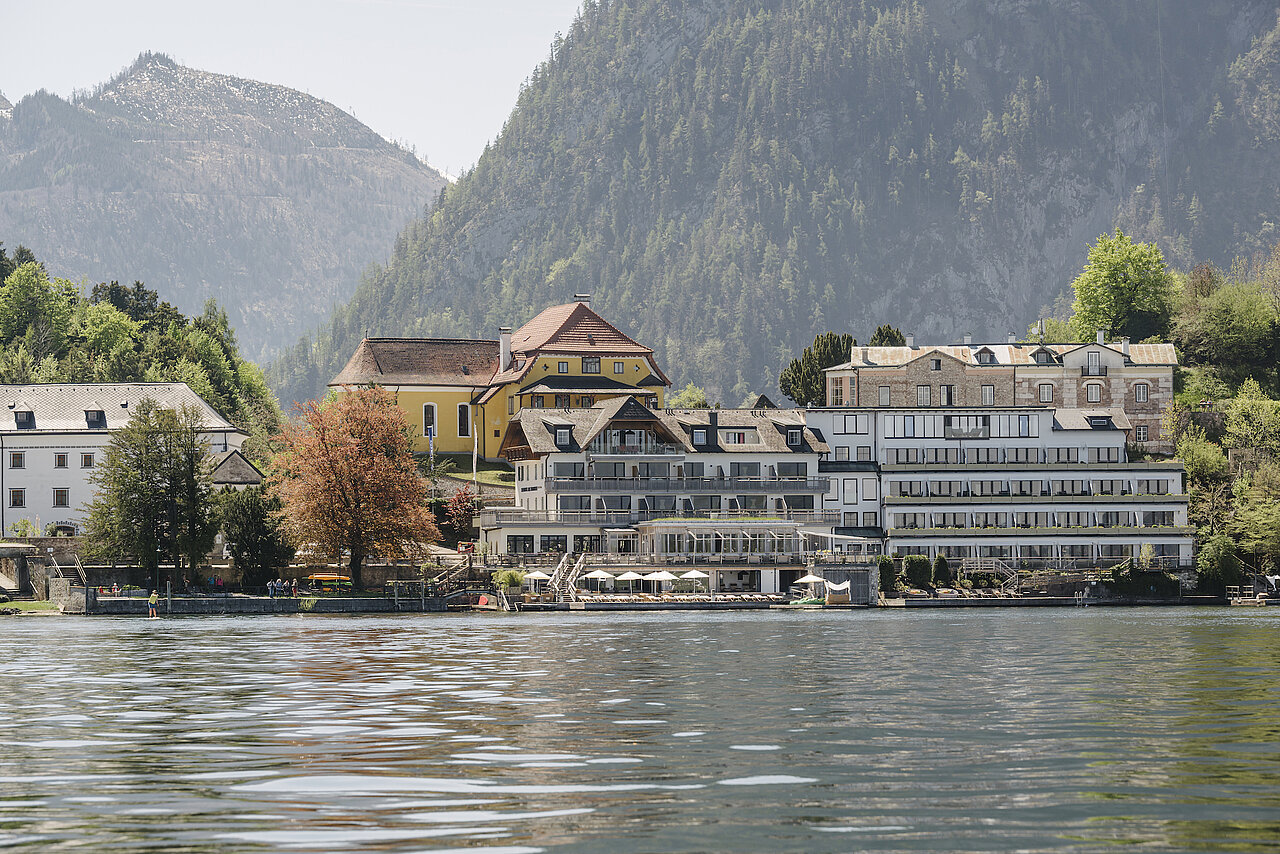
{"x":421,"y":361}
{"x":1005,"y":354}
{"x":61,"y":407}
{"x":1083,"y":419}
{"x":233,"y":468}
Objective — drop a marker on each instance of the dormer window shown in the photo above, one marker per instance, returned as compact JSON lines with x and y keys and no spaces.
{"x":95,"y":419}
{"x":562,"y":437}
{"x":793,"y":437}
{"x":699,"y":436}
{"x":25,"y":419}
{"x":986,"y":357}
{"x":1043,"y":357}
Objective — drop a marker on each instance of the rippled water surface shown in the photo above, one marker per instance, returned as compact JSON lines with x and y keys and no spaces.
{"x":1065,"y":730}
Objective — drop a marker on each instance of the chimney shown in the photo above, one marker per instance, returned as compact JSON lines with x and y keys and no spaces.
{"x":585,"y":299}
{"x":1124,"y":346}
{"x":1013,"y":338}
{"x":968,"y":340}
{"x":1102,"y":337}
{"x":911,"y":340}
{"x":504,"y":347}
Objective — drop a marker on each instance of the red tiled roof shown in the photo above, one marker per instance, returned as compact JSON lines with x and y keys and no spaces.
{"x":421,"y":361}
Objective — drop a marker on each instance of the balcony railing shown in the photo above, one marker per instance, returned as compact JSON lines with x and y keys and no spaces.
{"x":660,"y":485}
{"x":619,"y":518}
{"x":1093,"y":371}
{"x":641,"y":447}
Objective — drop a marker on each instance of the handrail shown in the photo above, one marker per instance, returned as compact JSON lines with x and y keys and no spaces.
{"x":491,"y":518}
{"x":779,"y":483}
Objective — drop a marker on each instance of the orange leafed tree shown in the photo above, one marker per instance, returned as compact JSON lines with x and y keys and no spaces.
{"x":348,"y":481}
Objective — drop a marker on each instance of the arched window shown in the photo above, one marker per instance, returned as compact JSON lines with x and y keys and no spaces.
{"x":428,"y":419}
{"x":1140,"y":392}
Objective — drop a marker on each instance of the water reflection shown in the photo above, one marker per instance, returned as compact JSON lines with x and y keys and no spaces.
{"x":1035,"y":731}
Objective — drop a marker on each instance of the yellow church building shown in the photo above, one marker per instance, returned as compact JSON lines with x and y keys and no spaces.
{"x":459,"y":394}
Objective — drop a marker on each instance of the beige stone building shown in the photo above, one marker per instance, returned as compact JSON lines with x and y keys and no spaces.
{"x":1136,"y":379}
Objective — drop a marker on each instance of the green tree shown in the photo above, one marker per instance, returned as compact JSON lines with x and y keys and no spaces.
{"x":803,"y":380}
{"x":36,"y":309}
{"x":255,"y":538}
{"x":1125,"y":289}
{"x":1253,"y":423}
{"x":1217,"y":565}
{"x":942,"y":571}
{"x":154,"y":492}
{"x":887,"y":336}
{"x":918,"y":570}
{"x":1255,"y":522}
{"x":690,"y":397}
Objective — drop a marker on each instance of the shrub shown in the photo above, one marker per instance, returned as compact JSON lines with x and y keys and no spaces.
{"x":1217,"y":565}
{"x":942,"y":571}
{"x":888,"y":574}
{"x":918,"y":570}
{"x":508,"y":578}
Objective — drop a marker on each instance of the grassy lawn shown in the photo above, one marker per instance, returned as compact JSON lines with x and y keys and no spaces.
{"x":30,"y":606}
{"x":487,"y":472}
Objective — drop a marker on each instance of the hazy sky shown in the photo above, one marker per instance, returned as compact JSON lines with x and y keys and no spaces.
{"x":441,"y":75}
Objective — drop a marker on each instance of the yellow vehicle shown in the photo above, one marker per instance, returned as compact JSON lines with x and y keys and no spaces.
{"x":326,"y":582}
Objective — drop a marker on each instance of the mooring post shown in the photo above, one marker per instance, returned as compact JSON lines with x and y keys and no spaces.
{"x":168,"y":596}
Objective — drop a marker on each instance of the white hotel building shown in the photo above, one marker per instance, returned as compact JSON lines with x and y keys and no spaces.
{"x":1024,"y":484}
{"x":53,"y":435}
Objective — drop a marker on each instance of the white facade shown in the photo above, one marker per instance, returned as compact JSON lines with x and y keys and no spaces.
{"x":53,"y":435}
{"x":1023,"y":484}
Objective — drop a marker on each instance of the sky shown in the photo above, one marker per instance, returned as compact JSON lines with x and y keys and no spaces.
{"x":440,"y":76}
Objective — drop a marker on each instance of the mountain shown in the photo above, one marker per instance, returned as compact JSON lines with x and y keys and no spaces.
{"x":731,"y":177}
{"x":203,"y":185}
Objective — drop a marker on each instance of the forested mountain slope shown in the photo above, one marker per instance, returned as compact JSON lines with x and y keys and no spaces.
{"x":203,"y":185}
{"x":730,"y":177}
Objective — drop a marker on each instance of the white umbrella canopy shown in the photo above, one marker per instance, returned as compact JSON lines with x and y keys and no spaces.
{"x":630,"y":576}
{"x":694,"y":573}
{"x":810,"y":579}
{"x":601,"y":574}
{"x":661,"y":575}
{"x":536,"y":575}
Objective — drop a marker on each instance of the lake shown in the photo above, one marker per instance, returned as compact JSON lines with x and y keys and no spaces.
{"x":982,"y":730}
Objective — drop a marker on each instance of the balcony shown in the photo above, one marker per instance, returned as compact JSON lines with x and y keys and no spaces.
{"x":634,"y":447}
{"x":688,"y":485}
{"x":1093,"y":371}
{"x":623,"y":518}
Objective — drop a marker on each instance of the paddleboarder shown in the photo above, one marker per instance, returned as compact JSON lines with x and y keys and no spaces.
{"x":151,"y":604}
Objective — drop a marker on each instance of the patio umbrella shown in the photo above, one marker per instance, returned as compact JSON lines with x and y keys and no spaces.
{"x":660,"y":576}
{"x":630,"y":577}
{"x":810,"y":579}
{"x":599,"y":575}
{"x":696,"y":575}
{"x":536,"y":575}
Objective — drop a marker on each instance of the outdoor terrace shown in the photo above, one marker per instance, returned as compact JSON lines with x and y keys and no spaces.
{"x":659,"y":485}
{"x":619,"y":518}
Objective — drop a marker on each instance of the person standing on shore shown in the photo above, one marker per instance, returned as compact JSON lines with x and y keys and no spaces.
{"x":151,"y":604}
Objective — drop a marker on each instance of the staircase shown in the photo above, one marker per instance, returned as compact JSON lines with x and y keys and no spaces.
{"x":992,"y":565}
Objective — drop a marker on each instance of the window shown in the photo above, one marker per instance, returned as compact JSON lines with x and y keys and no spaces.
{"x":562,"y":401}
{"x":1140,"y":432}
{"x":464,"y":420}
{"x":986,"y":357}
{"x":1140,"y":392}
{"x":619,"y":367}
{"x":24,"y":419}
{"x":562,"y":368}
{"x":62,"y":498}
{"x":870,"y":519}
{"x":842,"y":452}
{"x":562,"y":437}
{"x":17,"y":460}
{"x":86,"y":461}
{"x":850,"y":491}
{"x":946,"y":395}
{"x":793,"y":437}
{"x":428,"y":419}
{"x":588,"y":400}
{"x":864,"y":453}
{"x":591,"y":364}
{"x":1093,"y":393}
{"x":17,"y":498}
{"x":922,"y":395}
{"x":569,"y":469}
{"x":734,"y":437}
{"x":837,"y":391}
{"x":909,"y":426}
{"x":539,"y":401}
{"x":988,"y":395}
{"x":1046,"y":392}
{"x":884,"y":395}
{"x":699,"y":436}
{"x":511,"y":405}
{"x":574,"y":502}
{"x":1094,"y":363}
{"x":1043,"y":357}
{"x":790,"y":469}
{"x":59,"y":461}
{"x":95,"y":418}
{"x":935,"y":364}
{"x":1024,"y":425}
